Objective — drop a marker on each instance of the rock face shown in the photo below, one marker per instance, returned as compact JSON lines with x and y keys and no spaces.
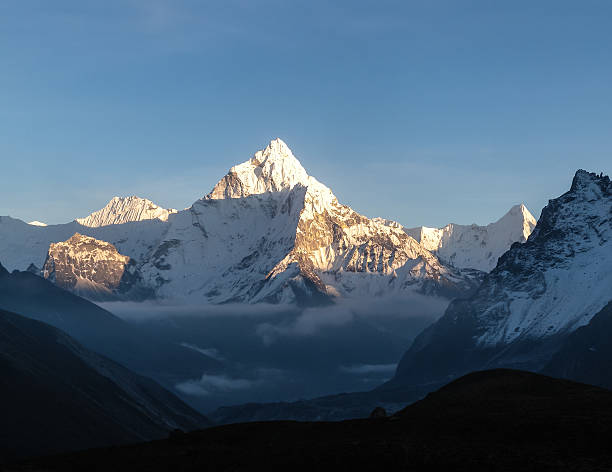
{"x":125,"y":210}
{"x":473,"y":246}
{"x":270,"y":232}
{"x":89,"y":267}
{"x":538,"y":294}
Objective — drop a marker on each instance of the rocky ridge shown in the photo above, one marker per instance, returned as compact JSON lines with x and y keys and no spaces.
{"x":89,"y":267}
{"x":538,"y":294}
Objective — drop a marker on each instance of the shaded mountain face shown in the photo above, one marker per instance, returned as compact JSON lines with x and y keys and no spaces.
{"x":538,"y":294}
{"x":496,"y":420}
{"x":58,"y":396}
{"x":473,"y":246}
{"x":586,"y":355}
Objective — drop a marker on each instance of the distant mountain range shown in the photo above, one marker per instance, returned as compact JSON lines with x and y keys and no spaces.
{"x":267,"y":232}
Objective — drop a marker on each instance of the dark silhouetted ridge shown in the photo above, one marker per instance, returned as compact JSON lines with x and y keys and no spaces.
{"x":503,"y":420}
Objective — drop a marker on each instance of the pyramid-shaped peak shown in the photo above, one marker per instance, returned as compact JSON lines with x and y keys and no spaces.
{"x":278,"y":155}
{"x":276,"y":148}
{"x":518,"y":211}
{"x":518,"y":222}
{"x":270,"y":170}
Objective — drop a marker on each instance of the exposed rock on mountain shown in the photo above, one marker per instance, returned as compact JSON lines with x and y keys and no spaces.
{"x":90,"y":267}
{"x":473,"y":246}
{"x":125,"y":210}
{"x":538,"y":294}
{"x":22,"y":244}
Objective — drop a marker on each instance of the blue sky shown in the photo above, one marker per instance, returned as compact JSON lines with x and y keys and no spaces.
{"x":424,"y":112}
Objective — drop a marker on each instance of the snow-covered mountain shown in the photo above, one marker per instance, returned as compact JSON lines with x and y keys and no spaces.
{"x":124,"y":210}
{"x":267,"y":231}
{"x":538,"y":294}
{"x":22,"y":244}
{"x":270,"y":232}
{"x":473,"y":246}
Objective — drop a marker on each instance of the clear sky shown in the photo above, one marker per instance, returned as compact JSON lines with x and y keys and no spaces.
{"x":424,"y":112}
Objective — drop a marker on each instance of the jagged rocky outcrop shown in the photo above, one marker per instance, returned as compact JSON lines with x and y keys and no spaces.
{"x":90,"y":267}
{"x":125,"y":210}
{"x":538,"y":294}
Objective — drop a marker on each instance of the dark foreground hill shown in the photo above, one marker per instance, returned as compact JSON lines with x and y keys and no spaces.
{"x":56,"y":395}
{"x":492,"y":420}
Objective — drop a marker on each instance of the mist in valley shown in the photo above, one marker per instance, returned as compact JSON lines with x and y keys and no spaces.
{"x":268,"y":353}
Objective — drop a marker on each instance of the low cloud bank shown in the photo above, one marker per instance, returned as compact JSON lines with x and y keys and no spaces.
{"x":312,"y":320}
{"x":210,"y":351}
{"x":156,"y":310}
{"x":209,"y":384}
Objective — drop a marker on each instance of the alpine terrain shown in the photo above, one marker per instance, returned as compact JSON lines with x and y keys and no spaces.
{"x":473,"y":246}
{"x":539,"y":293}
{"x":267,"y":232}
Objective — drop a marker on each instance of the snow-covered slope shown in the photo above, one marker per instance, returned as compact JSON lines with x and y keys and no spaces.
{"x":473,"y":246}
{"x":124,"y":210}
{"x":22,"y":244}
{"x":37,"y":223}
{"x":270,"y":232}
{"x":539,"y":292}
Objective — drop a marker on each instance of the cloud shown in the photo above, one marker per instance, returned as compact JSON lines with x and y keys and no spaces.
{"x":361,"y":369}
{"x":312,"y":320}
{"x":209,"y":384}
{"x":155,"y":310}
{"x":210,"y":352}
{"x":308,"y":323}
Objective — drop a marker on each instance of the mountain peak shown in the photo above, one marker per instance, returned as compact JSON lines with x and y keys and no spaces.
{"x":121,"y":210}
{"x":276,"y":149}
{"x":520,"y":212}
{"x":272,"y":169}
{"x":585,"y":181}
